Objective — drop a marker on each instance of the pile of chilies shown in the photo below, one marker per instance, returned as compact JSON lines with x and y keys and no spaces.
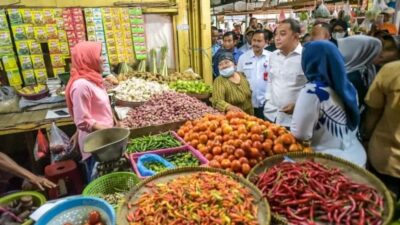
{"x":310,"y":193}
{"x":201,"y":198}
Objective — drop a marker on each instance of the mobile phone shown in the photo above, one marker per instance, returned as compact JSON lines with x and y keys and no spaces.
{"x":61,"y":113}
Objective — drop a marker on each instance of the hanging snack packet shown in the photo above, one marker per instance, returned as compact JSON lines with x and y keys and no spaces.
{"x":22,"y":47}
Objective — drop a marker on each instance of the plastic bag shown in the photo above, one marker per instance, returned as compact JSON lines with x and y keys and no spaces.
{"x":41,"y":148}
{"x":59,"y":143}
{"x":144,"y":171}
{"x":8,"y":100}
{"x":322,"y":11}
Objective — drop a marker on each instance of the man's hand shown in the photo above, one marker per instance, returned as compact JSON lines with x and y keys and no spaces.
{"x":42,"y":183}
{"x":288,"y":109}
{"x":233,"y":108}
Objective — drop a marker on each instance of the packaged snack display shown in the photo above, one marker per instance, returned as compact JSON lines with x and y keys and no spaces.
{"x":15,"y":16}
{"x":58,"y":70}
{"x":7,"y":53}
{"x":19,"y":32}
{"x":30,"y":32}
{"x":118,"y":39}
{"x":29,"y":77}
{"x":5,"y":38}
{"x":9,"y":62}
{"x":40,"y":34}
{"x":38,"y":62}
{"x":73,"y":25}
{"x":64,"y":49}
{"x":62,"y":35}
{"x":41,"y":75}
{"x":3,"y":21}
{"x":51,"y":31}
{"x":26,"y":16}
{"x":37,"y":17}
{"x":22,"y":47}
{"x":34,"y":47}
{"x":6,"y":50}
{"x":14,"y":78}
{"x":57,"y":60}
{"x":54,"y":46}
{"x":95,"y":29}
{"x":48,"y":16}
{"x":138,"y":33}
{"x":25,"y":61}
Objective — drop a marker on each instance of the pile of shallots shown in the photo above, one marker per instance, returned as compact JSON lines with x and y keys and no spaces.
{"x":165,"y":108}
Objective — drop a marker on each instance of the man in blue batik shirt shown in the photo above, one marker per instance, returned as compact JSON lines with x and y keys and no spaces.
{"x":230,"y":41}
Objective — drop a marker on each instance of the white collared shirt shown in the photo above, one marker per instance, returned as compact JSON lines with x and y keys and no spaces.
{"x":254,"y":68}
{"x":285,"y":80}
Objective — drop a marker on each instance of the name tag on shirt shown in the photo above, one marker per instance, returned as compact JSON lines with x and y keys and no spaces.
{"x":248,"y":65}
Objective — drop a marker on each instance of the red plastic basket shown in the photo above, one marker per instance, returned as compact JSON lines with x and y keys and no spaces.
{"x":166,"y":152}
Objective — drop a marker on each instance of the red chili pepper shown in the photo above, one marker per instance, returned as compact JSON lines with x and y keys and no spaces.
{"x":362,"y":217}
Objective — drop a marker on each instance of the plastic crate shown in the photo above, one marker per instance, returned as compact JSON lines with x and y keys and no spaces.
{"x":166,"y":152}
{"x":175,"y":135}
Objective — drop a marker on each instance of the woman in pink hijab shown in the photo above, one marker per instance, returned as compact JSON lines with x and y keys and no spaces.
{"x":86,"y":97}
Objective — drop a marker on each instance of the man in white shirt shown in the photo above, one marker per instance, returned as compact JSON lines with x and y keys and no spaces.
{"x":254,"y":64}
{"x":286,"y":77}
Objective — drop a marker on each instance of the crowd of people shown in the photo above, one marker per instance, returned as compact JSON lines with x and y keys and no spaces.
{"x":337,"y":92}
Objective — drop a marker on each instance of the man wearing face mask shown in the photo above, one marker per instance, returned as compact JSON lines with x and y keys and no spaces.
{"x":339,"y":30}
{"x":231,"y":90}
{"x":286,"y":77}
{"x":254,"y":64}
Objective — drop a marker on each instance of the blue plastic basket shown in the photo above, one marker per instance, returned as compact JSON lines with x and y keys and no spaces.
{"x":73,"y":209}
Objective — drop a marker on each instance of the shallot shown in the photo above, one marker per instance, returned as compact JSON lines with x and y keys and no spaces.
{"x":165,"y":108}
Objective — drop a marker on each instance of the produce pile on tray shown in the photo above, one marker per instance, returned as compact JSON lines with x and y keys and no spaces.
{"x":17,"y":211}
{"x":167,"y":107}
{"x":157,"y":77}
{"x":181,"y":159}
{"x":190,"y":87}
{"x":200,"y":198}
{"x":152,"y":142}
{"x":310,"y":193}
{"x":237,"y":141}
{"x":138,"y":90}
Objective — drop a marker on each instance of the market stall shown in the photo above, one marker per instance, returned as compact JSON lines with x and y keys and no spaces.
{"x":172,"y":158}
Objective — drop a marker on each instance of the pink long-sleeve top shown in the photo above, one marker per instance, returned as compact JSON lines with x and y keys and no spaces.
{"x":90,"y":105}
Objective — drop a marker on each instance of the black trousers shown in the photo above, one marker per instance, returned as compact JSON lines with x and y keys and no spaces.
{"x":259,"y":113}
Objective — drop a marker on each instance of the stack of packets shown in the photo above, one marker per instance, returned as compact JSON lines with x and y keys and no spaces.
{"x":138,"y":32}
{"x":7,"y":53}
{"x":30,"y":28}
{"x":95,"y":32}
{"x":74,"y":25}
{"x":118,"y":35}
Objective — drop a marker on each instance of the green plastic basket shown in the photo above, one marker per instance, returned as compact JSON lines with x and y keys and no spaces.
{"x":111,"y":183}
{"x":38,"y":200}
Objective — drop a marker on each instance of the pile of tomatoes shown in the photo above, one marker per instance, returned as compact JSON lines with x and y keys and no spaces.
{"x":237,"y":141}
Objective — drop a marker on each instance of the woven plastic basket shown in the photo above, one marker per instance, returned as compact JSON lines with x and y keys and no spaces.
{"x":263,"y":208}
{"x":111,"y":183}
{"x":38,"y":200}
{"x":351,"y":170}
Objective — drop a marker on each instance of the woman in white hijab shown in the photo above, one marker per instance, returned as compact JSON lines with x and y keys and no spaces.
{"x":359,"y":53}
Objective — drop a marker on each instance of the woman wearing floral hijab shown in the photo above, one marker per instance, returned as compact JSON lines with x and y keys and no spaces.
{"x":86,"y":97}
{"x":326,"y":111}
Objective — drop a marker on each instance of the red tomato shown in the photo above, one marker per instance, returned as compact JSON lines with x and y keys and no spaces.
{"x":94,"y":217}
